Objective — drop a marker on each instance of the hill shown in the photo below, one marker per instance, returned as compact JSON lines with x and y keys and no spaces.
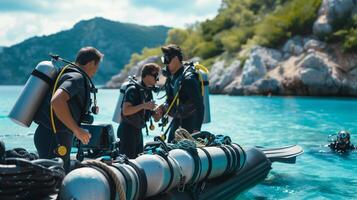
{"x":118,"y":41}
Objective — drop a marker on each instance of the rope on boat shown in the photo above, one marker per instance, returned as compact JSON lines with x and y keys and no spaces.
{"x":23,"y":176}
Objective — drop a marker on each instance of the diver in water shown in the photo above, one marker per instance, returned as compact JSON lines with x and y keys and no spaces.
{"x":342,"y":143}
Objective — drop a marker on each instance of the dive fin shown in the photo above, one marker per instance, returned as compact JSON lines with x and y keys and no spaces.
{"x":286,"y":154}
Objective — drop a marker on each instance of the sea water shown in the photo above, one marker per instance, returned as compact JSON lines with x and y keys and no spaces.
{"x":254,"y":121}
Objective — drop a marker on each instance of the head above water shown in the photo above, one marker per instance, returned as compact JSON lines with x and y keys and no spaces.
{"x":343,"y":136}
{"x":172,"y":57}
{"x":89,"y":58}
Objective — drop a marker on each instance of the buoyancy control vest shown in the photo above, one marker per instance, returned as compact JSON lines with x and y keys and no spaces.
{"x":38,"y":86}
{"x":145,"y":95}
{"x":79,"y":105}
{"x":190,"y":71}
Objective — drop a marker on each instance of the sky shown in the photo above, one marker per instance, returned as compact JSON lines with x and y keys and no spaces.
{"x":22,"y":19}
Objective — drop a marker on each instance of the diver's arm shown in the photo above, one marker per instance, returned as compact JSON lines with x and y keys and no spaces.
{"x":61,"y":109}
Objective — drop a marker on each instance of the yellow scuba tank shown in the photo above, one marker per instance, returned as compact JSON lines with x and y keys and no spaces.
{"x":202,"y":72}
{"x":34,"y":91}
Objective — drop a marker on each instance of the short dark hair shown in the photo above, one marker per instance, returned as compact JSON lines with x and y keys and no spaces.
{"x":149,"y":68}
{"x":88,"y":54}
{"x":172,"y":50}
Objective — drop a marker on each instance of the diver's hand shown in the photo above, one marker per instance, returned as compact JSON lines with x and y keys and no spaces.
{"x":158,"y":113}
{"x":159,"y":110}
{"x":149,"y":105}
{"x":82,"y":135}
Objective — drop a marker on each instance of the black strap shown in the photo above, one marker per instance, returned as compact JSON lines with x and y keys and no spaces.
{"x":205,"y":83}
{"x":228,"y":156}
{"x":244,"y":155}
{"x":234,"y":158}
{"x":198,"y":167}
{"x":171,"y":171}
{"x":239,"y":166}
{"x":142,"y":180}
{"x":127,"y":178}
{"x":42,"y":76}
{"x":237,"y":157}
{"x":209,"y":164}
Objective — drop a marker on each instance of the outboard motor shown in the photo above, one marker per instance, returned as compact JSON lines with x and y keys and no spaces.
{"x":33,"y":93}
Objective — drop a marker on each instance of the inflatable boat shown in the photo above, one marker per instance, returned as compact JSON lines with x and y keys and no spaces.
{"x":213,"y":172}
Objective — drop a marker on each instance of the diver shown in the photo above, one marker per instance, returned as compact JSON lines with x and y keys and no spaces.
{"x":342,"y":143}
{"x":137,"y":108}
{"x":66,"y":106}
{"x":184,"y":100}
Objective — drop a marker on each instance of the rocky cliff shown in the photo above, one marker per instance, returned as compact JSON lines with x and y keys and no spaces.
{"x":303,"y":65}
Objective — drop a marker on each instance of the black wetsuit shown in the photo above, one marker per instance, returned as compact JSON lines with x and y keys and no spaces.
{"x":129,"y":130}
{"x":46,"y":141}
{"x":190,"y":111}
{"x":335,"y":146}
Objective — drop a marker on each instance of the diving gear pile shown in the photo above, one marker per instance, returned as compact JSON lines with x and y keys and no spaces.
{"x":180,"y":171}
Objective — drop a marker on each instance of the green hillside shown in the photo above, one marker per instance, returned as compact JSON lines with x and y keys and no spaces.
{"x":118,"y":41}
{"x":241,"y":24}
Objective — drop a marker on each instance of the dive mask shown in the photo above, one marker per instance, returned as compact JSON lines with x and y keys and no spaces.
{"x":166,"y":59}
{"x":343,"y":136}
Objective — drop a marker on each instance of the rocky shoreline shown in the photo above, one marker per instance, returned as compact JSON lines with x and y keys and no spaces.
{"x":303,"y":66}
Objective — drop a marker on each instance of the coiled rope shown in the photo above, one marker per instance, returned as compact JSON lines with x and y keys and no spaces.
{"x":21,"y":178}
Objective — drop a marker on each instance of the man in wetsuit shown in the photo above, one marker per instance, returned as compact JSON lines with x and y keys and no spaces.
{"x":342,"y":143}
{"x":188,"y":108}
{"x":70,"y":102}
{"x":137,"y":108}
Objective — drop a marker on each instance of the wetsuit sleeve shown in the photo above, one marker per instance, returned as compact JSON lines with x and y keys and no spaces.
{"x":191,"y":87}
{"x":71,"y":83}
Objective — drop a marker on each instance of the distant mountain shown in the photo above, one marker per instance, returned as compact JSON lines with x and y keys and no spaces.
{"x":116,"y":40}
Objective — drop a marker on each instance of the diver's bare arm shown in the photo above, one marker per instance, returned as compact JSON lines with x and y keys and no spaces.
{"x":61,"y":109}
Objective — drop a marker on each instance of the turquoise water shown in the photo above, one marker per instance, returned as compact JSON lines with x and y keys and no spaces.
{"x":251,"y":121}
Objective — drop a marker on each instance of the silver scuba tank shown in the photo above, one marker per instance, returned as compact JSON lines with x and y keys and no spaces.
{"x":117,"y":113}
{"x":207,"y":112}
{"x":85,"y":183}
{"x":161,"y":174}
{"x":33,"y":93}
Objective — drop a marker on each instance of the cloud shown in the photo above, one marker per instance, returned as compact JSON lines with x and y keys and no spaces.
{"x":21,"y":19}
{"x":198,"y":7}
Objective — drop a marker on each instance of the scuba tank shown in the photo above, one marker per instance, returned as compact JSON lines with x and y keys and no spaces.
{"x":203,"y":76}
{"x":117,"y":113}
{"x":35,"y":89}
{"x":202,"y":73}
